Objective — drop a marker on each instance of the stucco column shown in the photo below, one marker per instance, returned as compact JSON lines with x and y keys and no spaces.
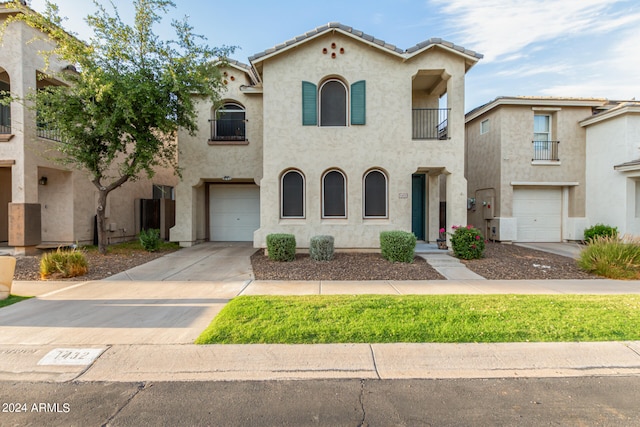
{"x":184,"y":231}
{"x":456,"y":200}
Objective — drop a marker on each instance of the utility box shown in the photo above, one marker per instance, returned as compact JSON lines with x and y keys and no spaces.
{"x":487,"y":208}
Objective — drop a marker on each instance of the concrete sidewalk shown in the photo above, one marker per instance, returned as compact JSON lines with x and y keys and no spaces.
{"x":140,"y":326}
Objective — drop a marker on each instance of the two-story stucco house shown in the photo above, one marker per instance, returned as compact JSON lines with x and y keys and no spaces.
{"x":332,"y":132}
{"x":42,"y":202}
{"x":542,"y":169}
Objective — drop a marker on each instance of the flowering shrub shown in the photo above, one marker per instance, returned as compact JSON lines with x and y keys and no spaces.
{"x":467,"y":242}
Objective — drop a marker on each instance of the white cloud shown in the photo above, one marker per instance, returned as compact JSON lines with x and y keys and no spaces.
{"x":500,"y":28}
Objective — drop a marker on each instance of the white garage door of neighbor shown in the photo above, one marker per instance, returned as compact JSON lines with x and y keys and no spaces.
{"x":234,"y":212}
{"x":539,"y":214}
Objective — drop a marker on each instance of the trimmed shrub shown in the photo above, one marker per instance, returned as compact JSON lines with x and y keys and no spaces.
{"x":63,"y":263}
{"x":321,"y":248}
{"x":150,"y":239}
{"x":397,"y":246}
{"x":281,"y":247}
{"x":611,"y":257}
{"x":599,"y":230}
{"x":467,"y":242}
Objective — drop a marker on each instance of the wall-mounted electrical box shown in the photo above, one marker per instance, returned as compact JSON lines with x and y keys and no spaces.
{"x":487,"y":208}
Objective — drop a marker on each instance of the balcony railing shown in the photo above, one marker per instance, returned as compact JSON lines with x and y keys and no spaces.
{"x":430,"y":123}
{"x":228,"y":130}
{"x":545,"y":150}
{"x":5,"y":119}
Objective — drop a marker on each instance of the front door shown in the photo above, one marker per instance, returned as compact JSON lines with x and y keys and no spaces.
{"x":417,"y":206}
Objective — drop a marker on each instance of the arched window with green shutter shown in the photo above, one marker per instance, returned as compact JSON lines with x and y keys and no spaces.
{"x":358,"y":103}
{"x":309,"y":104}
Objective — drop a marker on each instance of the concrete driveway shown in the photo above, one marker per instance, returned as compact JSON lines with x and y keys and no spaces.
{"x":211,"y":261}
{"x":169,"y":300}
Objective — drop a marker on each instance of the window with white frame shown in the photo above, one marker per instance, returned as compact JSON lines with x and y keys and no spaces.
{"x":292,"y":193}
{"x":334,"y":195}
{"x":375,"y":194}
{"x":484,"y":126}
{"x":541,"y":131}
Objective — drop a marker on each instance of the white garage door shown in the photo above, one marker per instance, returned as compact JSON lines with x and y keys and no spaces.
{"x":539,"y":214}
{"x":234,"y":212}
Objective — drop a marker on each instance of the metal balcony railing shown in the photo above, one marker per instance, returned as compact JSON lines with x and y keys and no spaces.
{"x":545,"y":150}
{"x":430,"y":123}
{"x":48,"y":133}
{"x":228,"y":130}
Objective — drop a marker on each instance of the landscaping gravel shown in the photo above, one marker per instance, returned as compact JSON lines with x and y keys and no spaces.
{"x":501,"y":261}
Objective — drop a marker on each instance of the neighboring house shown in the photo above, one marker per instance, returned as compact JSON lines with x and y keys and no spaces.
{"x":613,"y":167}
{"x":331,"y":133}
{"x":42,"y":203}
{"x":540,"y":168}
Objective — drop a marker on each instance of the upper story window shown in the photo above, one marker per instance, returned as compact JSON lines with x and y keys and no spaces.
{"x":292,"y":194}
{"x":334,"y":195}
{"x":5,"y":110}
{"x":542,"y":127}
{"x":484,"y":126}
{"x":228,"y":123}
{"x":544,"y":148}
{"x":334,"y":103}
{"x":375,"y":194}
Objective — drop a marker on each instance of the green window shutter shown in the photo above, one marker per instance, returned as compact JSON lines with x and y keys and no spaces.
{"x":309,"y":104}
{"x":358,"y":103}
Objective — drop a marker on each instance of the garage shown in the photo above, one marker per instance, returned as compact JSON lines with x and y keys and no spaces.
{"x":234,"y":212}
{"x":538,"y":212}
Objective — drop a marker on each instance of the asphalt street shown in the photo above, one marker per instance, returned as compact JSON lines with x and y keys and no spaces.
{"x":583,"y":401}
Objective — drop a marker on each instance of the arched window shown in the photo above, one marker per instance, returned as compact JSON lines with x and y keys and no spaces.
{"x":375,"y":194}
{"x":333,"y":103}
{"x":228,"y":124}
{"x":292,"y":193}
{"x":334,"y":195}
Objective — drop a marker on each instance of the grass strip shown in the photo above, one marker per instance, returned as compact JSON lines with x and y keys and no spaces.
{"x":12,"y":300}
{"x":425,"y":319}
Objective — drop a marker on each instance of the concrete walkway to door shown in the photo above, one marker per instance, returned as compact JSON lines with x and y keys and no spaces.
{"x":211,"y":262}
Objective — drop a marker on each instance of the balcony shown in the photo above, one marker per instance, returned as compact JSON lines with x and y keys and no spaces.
{"x":228,"y":130}
{"x":430,"y":123}
{"x":48,"y":133}
{"x":545,"y":150}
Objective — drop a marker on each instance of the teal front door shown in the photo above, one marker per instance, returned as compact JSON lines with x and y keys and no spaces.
{"x":417,"y":206}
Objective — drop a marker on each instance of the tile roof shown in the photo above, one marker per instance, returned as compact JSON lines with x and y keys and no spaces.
{"x":368,"y":38}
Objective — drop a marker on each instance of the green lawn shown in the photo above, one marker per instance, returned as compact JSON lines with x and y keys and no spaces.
{"x":12,"y":300}
{"x":433,"y":318}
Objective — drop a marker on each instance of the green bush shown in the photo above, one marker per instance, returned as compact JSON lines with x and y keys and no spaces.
{"x":611,"y":257}
{"x":599,"y":230}
{"x":281,"y":247}
{"x":150,"y":239}
{"x":321,"y":248}
{"x":397,"y":246}
{"x":63,"y":263}
{"x":467,"y":242}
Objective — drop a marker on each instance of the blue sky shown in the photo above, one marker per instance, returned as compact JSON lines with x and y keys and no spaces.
{"x":575,"y":48}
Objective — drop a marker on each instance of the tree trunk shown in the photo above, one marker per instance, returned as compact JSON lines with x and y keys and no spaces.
{"x":101,"y":223}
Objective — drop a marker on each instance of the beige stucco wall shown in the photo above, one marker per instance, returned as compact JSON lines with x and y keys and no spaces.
{"x":503,"y":157}
{"x":203,"y":163}
{"x":67,"y":202}
{"x":384,"y":142}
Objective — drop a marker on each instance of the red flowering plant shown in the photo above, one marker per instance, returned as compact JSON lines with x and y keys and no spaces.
{"x":467,"y":242}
